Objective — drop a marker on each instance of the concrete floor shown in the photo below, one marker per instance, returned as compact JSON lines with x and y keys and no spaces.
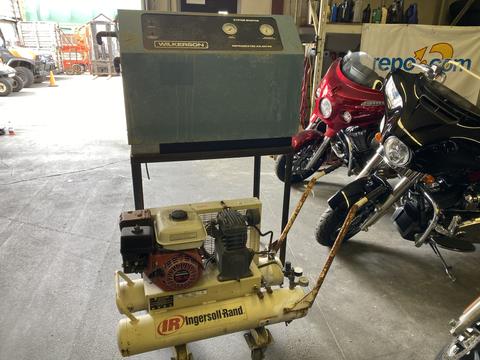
{"x":64,"y":179}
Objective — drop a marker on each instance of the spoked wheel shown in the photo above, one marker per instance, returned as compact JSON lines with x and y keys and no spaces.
{"x":299,"y":163}
{"x":331,"y":222}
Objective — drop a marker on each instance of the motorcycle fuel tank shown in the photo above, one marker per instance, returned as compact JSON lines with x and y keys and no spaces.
{"x":194,"y":78}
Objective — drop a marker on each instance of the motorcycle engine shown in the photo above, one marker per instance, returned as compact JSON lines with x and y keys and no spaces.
{"x":459,"y":207}
{"x":168,"y":248}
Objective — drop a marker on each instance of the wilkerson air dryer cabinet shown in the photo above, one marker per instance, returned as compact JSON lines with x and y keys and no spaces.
{"x":199,"y":78}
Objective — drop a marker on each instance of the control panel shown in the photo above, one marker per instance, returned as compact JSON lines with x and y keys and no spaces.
{"x":163,"y":32}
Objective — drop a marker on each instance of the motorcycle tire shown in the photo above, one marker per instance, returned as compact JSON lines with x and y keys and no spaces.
{"x":444,"y":354}
{"x":17,"y":83}
{"x":296,"y":176}
{"x":329,"y":224}
{"x":5,"y":87}
{"x":26,"y":75}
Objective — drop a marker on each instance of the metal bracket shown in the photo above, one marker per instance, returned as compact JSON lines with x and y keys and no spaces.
{"x":257,"y":340}
{"x":180,"y":352}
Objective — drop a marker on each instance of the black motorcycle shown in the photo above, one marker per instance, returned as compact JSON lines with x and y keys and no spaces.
{"x":430,"y":137}
{"x":466,"y":336}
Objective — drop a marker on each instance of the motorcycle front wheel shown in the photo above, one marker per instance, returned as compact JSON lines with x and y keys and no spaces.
{"x":300,"y":161}
{"x":450,"y":351}
{"x":331,"y":221}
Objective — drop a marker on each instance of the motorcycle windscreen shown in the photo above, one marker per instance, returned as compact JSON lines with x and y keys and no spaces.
{"x":359,"y":68}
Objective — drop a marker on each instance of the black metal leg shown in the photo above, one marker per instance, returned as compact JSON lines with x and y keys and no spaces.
{"x":137,"y":183}
{"x":256,"y":176}
{"x":286,"y":201}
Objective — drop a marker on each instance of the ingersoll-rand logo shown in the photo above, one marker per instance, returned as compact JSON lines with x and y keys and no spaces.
{"x":170,"y":325}
{"x":174,"y":323}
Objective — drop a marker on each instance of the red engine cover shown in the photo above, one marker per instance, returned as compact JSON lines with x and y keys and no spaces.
{"x":175,"y":270}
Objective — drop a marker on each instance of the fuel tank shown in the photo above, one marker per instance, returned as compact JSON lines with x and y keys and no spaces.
{"x":161,"y":330}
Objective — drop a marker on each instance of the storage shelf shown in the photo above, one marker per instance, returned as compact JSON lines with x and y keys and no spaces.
{"x":344,"y":28}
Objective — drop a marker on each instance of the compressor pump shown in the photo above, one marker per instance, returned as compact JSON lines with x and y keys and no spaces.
{"x":202,"y":275}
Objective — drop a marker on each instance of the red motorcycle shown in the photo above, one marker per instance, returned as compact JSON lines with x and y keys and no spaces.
{"x":348,"y":110}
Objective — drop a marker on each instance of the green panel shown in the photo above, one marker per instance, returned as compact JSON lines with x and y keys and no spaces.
{"x":204,"y":95}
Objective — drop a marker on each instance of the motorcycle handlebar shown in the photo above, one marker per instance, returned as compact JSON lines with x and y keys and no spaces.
{"x":438,"y":71}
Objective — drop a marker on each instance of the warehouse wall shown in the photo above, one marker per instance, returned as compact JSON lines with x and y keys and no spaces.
{"x":244,"y":6}
{"x":258,"y":7}
{"x":11,"y":11}
{"x":74,"y":12}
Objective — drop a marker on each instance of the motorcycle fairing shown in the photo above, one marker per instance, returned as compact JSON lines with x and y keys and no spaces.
{"x":432,"y":112}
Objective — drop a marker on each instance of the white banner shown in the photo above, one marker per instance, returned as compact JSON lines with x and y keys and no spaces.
{"x":395,"y":46}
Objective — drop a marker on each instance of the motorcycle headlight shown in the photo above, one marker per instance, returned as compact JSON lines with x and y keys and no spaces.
{"x":396,"y":152}
{"x":394,"y":99}
{"x":326,"y":107}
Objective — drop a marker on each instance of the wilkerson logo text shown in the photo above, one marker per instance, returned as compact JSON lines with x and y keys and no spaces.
{"x":180,"y":44}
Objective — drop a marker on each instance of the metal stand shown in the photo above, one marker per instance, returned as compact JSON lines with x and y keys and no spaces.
{"x":180,"y":352}
{"x":219,"y":150}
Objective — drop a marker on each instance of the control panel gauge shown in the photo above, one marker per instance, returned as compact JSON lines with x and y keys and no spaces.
{"x":267,"y":30}
{"x":229,"y":28}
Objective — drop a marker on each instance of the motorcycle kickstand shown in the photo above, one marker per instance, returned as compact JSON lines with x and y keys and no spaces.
{"x":448,"y":268}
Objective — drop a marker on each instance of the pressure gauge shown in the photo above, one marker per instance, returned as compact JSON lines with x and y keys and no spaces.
{"x":267,"y":30}
{"x":229,"y":28}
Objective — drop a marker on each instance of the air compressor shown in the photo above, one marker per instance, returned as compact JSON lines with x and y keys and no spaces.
{"x":194,"y":82}
{"x":202,"y":275}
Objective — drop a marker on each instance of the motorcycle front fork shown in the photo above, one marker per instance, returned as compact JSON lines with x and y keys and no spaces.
{"x":319,"y":153}
{"x":409,"y":178}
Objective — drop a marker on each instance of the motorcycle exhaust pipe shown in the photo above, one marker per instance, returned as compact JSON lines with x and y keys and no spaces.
{"x":164,"y":329}
{"x":469,"y":316}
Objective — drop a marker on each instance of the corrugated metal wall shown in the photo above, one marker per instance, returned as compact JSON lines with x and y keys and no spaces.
{"x":11,"y":11}
{"x":75,"y":12}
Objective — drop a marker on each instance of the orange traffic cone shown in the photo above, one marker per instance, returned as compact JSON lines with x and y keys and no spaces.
{"x":52,"y":80}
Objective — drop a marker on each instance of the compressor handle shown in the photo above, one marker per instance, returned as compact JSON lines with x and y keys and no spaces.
{"x":278,"y":244}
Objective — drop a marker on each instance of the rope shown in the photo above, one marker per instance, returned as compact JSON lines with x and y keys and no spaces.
{"x":278,"y":244}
